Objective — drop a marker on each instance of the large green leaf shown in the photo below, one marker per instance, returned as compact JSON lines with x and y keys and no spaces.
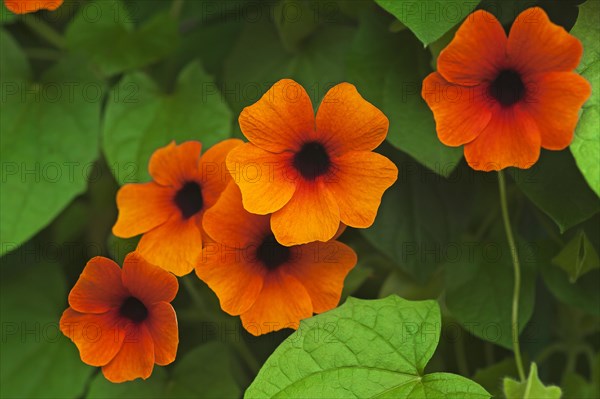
{"x":364,"y":348}
{"x":48,"y":140}
{"x":203,"y":372}
{"x":105,"y":33}
{"x":555,"y":186}
{"x":250,"y":70}
{"x":36,"y":360}
{"x":532,"y":388}
{"x":388,"y":70}
{"x":586,"y":144}
{"x":428,"y":19}
{"x":139,"y":119}
{"x":295,"y":20}
{"x":479,"y":288}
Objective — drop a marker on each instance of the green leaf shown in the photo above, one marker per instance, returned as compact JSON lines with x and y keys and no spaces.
{"x":575,"y":386}
{"x":104,"y":32}
{"x":388,"y":70}
{"x":428,"y":19}
{"x":491,"y":377}
{"x":153,"y":387}
{"x":202,"y":372}
{"x":37,"y":360}
{"x":48,"y":140}
{"x":406,"y":287}
{"x":577,"y":257}
{"x":555,"y":186}
{"x":140,"y":119}
{"x":251,"y":70}
{"x":364,"y":348}
{"x":586,"y":144}
{"x":479,"y":288}
{"x":532,"y":388}
{"x":295,"y":21}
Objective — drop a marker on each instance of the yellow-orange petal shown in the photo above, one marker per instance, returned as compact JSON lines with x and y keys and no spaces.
{"x":281,"y":120}
{"x":27,"y":6}
{"x":174,"y":165}
{"x":348,"y":122}
{"x":460,"y":112}
{"x":213,"y":169}
{"x":282,"y":303}
{"x":554,"y":105}
{"x":511,"y":139}
{"x":162,"y":326}
{"x":311,"y":215}
{"x":228,"y":223}
{"x":136,"y":357}
{"x":174,"y":246}
{"x":322,"y":268}
{"x":477,"y":51}
{"x":99,"y":288}
{"x":97,"y":336}
{"x":142,"y":207}
{"x":536,"y":45}
{"x":233,"y":275}
{"x":147,"y":282}
{"x":357,"y":184}
{"x":267,"y":180}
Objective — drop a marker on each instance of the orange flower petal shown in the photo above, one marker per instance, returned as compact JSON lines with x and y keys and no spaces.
{"x":174,"y":246}
{"x":142,"y":207}
{"x":555,"y":105}
{"x":233,"y":275}
{"x":267,"y":180}
{"x":136,"y":357}
{"x":27,"y":6}
{"x":346,"y":121}
{"x":146,"y":282}
{"x":511,"y":139}
{"x":97,"y":336}
{"x":311,"y":215}
{"x":477,"y":51}
{"x":213,"y":169}
{"x":282,"y":303}
{"x":322,"y":268}
{"x":460,"y":112}
{"x":228,"y":223}
{"x":98,"y":288}
{"x":537,"y":45}
{"x":174,"y":165}
{"x":359,"y":181}
{"x":162,"y":325}
{"x":281,"y":120}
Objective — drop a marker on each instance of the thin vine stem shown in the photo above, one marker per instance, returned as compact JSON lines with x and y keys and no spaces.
{"x":44,"y":31}
{"x":517,"y":272}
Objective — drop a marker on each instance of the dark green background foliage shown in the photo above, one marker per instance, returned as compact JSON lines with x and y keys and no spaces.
{"x":84,"y":106}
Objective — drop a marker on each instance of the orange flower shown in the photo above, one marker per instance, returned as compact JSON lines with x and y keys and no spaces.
{"x":312,"y":173}
{"x":168,"y":210}
{"x":121,"y":319}
{"x":271,"y":286}
{"x":27,"y":6}
{"x":505,"y":97}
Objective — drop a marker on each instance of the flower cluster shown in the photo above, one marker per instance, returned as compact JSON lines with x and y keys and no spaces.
{"x":257,"y":221}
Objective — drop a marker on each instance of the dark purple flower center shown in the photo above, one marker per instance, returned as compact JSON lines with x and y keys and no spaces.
{"x":271,"y":253}
{"x":507,"y":88}
{"x":312,"y":160}
{"x":134,"y":310}
{"x":189,"y":199}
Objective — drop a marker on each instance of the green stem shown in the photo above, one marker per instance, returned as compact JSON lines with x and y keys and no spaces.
{"x":176,"y":8}
{"x":44,"y":31}
{"x":517,"y":272}
{"x":42,"y":54}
